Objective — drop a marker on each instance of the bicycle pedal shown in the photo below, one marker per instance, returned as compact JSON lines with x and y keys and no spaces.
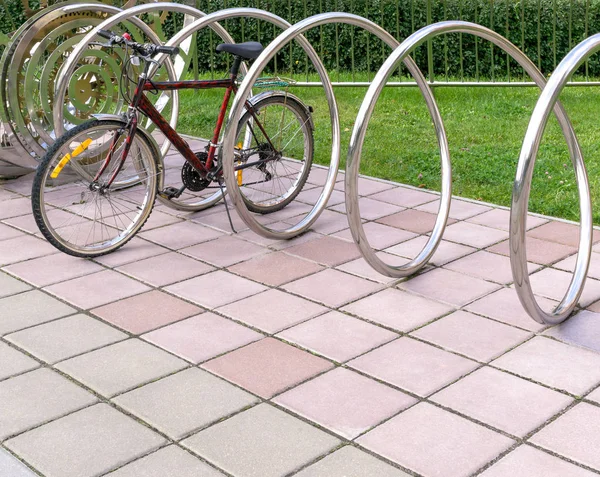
{"x":170,"y":193}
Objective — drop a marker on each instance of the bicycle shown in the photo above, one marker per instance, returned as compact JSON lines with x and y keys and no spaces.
{"x":97,"y":184}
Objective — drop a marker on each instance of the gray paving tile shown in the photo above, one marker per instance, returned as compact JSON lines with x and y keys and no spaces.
{"x":87,"y":443}
{"x":184,"y":402}
{"x":171,"y":461}
{"x":10,"y":285}
{"x":583,"y":330}
{"x":261,"y":442}
{"x":36,"y":397}
{"x":14,"y":362}
{"x":121,"y":367}
{"x":10,"y":466}
{"x":64,"y":338}
{"x":351,"y":462}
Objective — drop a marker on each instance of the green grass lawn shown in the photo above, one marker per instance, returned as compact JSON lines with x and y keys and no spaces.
{"x":485,"y":128}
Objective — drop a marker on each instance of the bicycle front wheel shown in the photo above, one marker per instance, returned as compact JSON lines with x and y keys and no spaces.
{"x":274,"y":152}
{"x":86,"y":217}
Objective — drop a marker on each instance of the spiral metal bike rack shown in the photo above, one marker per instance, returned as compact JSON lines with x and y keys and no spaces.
{"x":236,"y":110}
{"x":522,"y":187}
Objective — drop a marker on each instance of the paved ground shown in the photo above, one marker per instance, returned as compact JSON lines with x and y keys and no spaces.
{"x":253,"y":358}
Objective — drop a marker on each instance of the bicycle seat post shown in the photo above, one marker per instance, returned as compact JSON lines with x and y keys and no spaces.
{"x":235,"y":67}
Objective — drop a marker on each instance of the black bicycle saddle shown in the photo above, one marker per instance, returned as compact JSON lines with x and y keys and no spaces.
{"x":248,"y":50}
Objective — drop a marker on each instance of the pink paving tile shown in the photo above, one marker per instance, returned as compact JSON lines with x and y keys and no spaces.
{"x":487,"y":266}
{"x":96,"y":289}
{"x":160,"y":219}
{"x":180,"y":235}
{"x":379,"y":236}
{"x":220,"y":221}
{"x":594,"y":395}
{"x":215,"y":289}
{"x":337,"y":336}
{"x":330,"y":222}
{"x":23,"y":248}
{"x":275,"y":268}
{"x":51,"y":269}
{"x":405,"y":197}
{"x":7,"y":195}
{"x":459,"y":209}
{"x":292,"y":213}
{"x":504,"y":305}
{"x":554,"y":364}
{"x":134,"y":251}
{"x":326,"y":250}
{"x":331,"y":287}
{"x":145,"y":312}
{"x":575,"y":435}
{"x":446,"y":251}
{"x":343,"y":402}
{"x":311,"y":196}
{"x":500,"y":219}
{"x":7,"y":232}
{"x":568,"y":264}
{"x":582,"y":329}
{"x":417,"y":367}
{"x":284,"y":244}
{"x":224,"y":251}
{"x":560,"y":232}
{"x":413,"y":220}
{"x":474,"y":235}
{"x":526,"y":461}
{"x":165,"y":269}
{"x":267,"y":367}
{"x":318,"y":175}
{"x":15,"y":207}
{"x":450,"y":287}
{"x":397,"y":309}
{"x":538,"y":251}
{"x":433,"y":449}
{"x":371,"y":209}
{"x":553,"y":284}
{"x":272,"y":311}
{"x":361,"y":268}
{"x":503,"y":401}
{"x":202,"y":337}
{"x":485,"y":339}
{"x":367,"y":186}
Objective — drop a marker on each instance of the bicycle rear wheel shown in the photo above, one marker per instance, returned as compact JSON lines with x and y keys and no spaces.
{"x":88,"y":218}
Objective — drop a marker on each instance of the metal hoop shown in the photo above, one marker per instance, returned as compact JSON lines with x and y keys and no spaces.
{"x":242,"y":95}
{"x":522,"y":187}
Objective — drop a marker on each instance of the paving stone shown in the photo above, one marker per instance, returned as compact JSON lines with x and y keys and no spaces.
{"x":267,"y":367}
{"x":367,"y":186}
{"x":397,"y":309}
{"x":52,"y":269}
{"x":12,"y":467}
{"x":10,"y":286}
{"x":332,"y":287}
{"x":487,"y":266}
{"x":575,"y":435}
{"x":500,"y":219}
{"x":538,"y":251}
{"x":284,"y":244}
{"x":64,"y":338}
{"x":503,"y":401}
{"x":450,"y":287}
{"x":170,"y":461}
{"x":330,"y":222}
{"x":275,"y":268}
{"x":135,"y":250}
{"x":414,"y":366}
{"x":583,"y":330}
{"x":202,"y":337}
{"x":272,"y":311}
{"x":361,"y":268}
{"x":504,"y":305}
{"x":413,"y":220}
{"x":97,"y":289}
{"x":370,"y":209}
{"x":337,"y":336}
{"x":14,"y":362}
{"x":183,"y":234}
{"x":327,"y":251}
{"x":343,"y":402}
{"x":553,"y":284}
{"x":23,"y":248}
{"x":474,"y":235}
{"x":121,"y":367}
{"x":146,"y":312}
{"x":160,"y":219}
{"x":459,"y":209}
{"x":485,"y":340}
{"x":446,"y":251}
{"x":221,"y":221}
{"x":555,"y":364}
{"x":87,"y":443}
{"x":311,"y":196}
{"x":7,"y":232}
{"x":262,"y":442}
{"x":29,"y":309}
{"x":15,"y":207}
{"x":351,"y":462}
{"x":184,"y":402}
{"x":36,"y":397}
{"x":568,"y":264}
{"x":215,"y":289}
{"x":224,"y":251}
{"x":560,"y":232}
{"x":526,"y":461}
{"x":165,"y":269}
{"x":594,"y":396}
{"x":404,"y":196}
{"x":379,"y":236}
{"x":433,"y":448}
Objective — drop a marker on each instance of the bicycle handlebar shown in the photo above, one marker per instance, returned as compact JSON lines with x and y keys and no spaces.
{"x":146,"y":49}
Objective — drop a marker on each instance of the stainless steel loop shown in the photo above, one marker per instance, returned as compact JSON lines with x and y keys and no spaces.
{"x":238,"y":104}
{"x":522,"y":187}
{"x":366,"y":111}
